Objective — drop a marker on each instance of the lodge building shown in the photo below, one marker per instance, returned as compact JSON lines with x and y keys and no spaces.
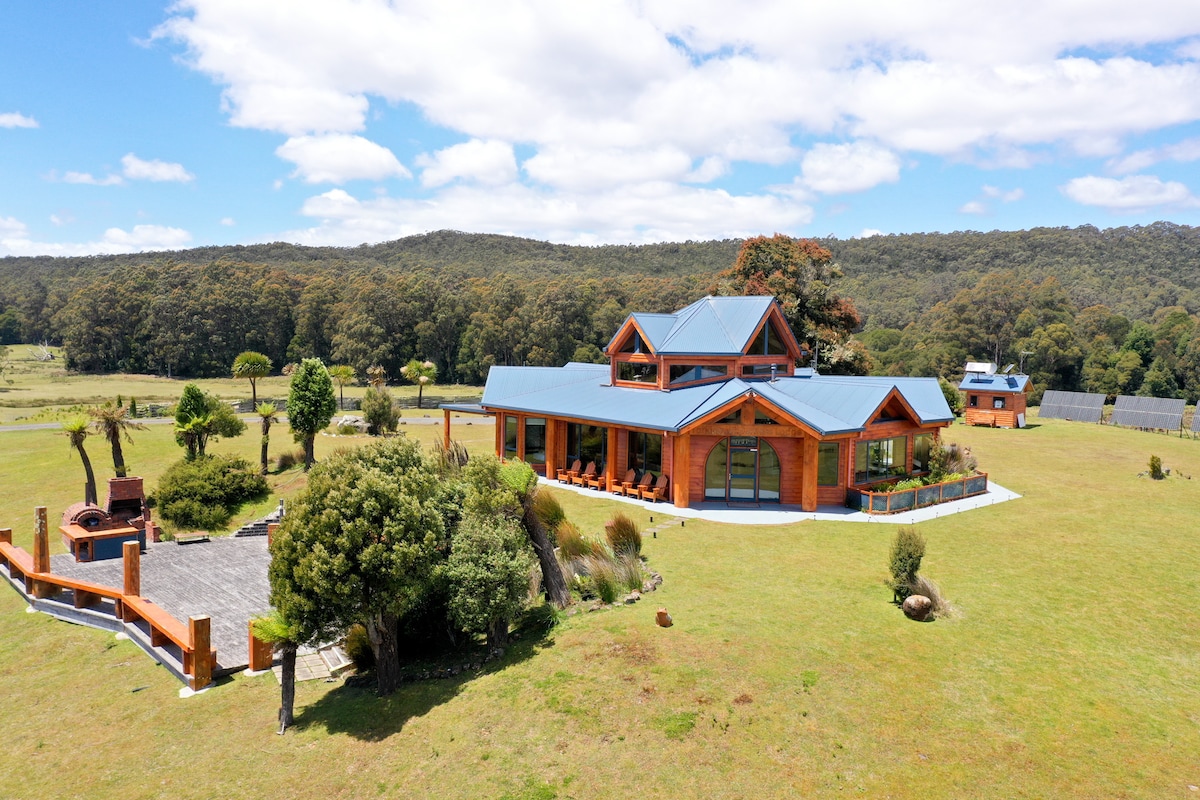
{"x":707,"y":404}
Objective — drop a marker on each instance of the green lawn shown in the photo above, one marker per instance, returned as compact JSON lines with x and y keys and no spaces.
{"x":1073,"y":669}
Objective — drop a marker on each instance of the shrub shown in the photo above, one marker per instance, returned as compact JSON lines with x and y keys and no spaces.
{"x":1156,"y":470}
{"x":630,"y":572}
{"x":379,"y":411}
{"x":347,"y":430}
{"x":571,"y":542}
{"x":204,"y":493}
{"x":603,"y":575}
{"x":908,"y":549}
{"x":924,"y":586}
{"x":539,"y":618}
{"x":623,"y":535}
{"x":946,"y":460}
{"x":548,"y":510}
{"x":289,"y":460}
{"x":358,"y":648}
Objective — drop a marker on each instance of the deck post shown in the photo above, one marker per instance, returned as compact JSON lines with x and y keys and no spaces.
{"x":446,"y":429}
{"x":551,"y":448}
{"x":610,"y":464}
{"x":200,"y":633}
{"x":261,"y":653}
{"x":271,"y":528}
{"x":41,"y":553}
{"x":131,"y":553}
{"x":681,"y":470}
{"x":6,"y":535}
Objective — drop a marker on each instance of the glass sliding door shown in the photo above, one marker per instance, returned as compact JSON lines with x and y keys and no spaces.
{"x":742,"y":469}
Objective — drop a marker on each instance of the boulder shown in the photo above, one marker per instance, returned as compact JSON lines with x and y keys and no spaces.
{"x":917,"y":606}
{"x":663,"y":618}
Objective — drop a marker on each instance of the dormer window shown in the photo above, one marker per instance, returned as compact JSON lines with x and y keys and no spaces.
{"x":690,"y":373}
{"x":768,"y":342}
{"x":637,"y":373}
{"x":634,"y":344}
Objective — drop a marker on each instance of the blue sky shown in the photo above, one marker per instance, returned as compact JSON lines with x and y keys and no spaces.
{"x":141,"y":126}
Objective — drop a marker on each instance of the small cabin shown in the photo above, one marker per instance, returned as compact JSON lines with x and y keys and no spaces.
{"x":994,"y":399}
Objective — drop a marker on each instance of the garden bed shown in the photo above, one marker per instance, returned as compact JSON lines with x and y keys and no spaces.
{"x":893,"y":502}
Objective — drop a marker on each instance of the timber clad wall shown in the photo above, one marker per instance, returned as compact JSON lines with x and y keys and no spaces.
{"x":984,"y":414}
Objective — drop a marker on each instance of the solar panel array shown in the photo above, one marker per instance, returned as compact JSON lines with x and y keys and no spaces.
{"x":1071,"y":405}
{"x":1159,"y":413}
{"x":1195,"y":423}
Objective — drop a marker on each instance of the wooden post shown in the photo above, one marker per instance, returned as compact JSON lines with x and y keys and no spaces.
{"x":499,"y":436}
{"x":199,"y":631}
{"x":551,"y":448}
{"x":271,"y":528}
{"x":261,"y":653}
{"x":810,"y":449}
{"x":131,"y":554}
{"x":6,"y":535}
{"x":41,"y":553}
{"x":610,"y":463}
{"x":681,"y":470}
{"x":446,"y":430}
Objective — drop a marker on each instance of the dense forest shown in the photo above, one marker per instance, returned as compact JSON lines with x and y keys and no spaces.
{"x":1088,"y":309}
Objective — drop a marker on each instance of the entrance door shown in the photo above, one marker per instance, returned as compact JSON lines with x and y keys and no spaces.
{"x":742,"y":469}
{"x":743,"y":473}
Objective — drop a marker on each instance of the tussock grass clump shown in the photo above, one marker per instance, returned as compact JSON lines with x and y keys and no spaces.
{"x":941,"y":608}
{"x":571,"y":544}
{"x":602,"y":569}
{"x":623,"y":535}
{"x":630,"y":571}
{"x":548,"y":510}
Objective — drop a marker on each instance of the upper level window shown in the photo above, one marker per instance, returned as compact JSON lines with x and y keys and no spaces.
{"x":638,"y":373}
{"x":733,"y":418}
{"x":689,"y":373}
{"x":768,"y":342}
{"x":762,"y":419}
{"x":634,"y":344}
{"x":764,"y":370}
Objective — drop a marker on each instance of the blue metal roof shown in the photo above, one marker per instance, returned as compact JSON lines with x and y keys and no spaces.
{"x":713,"y":326}
{"x":828,"y":404}
{"x":982,"y":382}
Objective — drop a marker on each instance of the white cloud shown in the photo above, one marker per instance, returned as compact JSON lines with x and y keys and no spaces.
{"x":228,"y":222}
{"x":1185,"y":151}
{"x":1134,"y":193}
{"x":488,"y":162}
{"x":15,"y":240}
{"x":136,"y":169}
{"x":867,"y":233}
{"x":13,"y":119}
{"x":579,"y":168}
{"x":91,"y":180}
{"x":973,"y":207}
{"x":649,"y":212}
{"x":854,"y":167}
{"x":1009,"y":196}
{"x":337,"y":158}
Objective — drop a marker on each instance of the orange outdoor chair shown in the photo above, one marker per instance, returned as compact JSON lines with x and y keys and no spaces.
{"x":567,"y":475}
{"x":581,"y":478}
{"x":656,"y":492}
{"x":596,"y":480}
{"x":624,"y":486}
{"x":635,"y":490}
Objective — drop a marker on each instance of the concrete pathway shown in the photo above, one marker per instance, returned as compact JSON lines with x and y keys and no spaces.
{"x":768,"y":514}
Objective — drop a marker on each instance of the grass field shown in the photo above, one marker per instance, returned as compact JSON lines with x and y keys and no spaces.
{"x":1072,"y":670}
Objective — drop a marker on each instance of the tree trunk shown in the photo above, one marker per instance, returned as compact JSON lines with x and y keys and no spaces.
{"x":266,"y":441}
{"x":89,"y":490}
{"x":253,"y":394}
{"x":118,"y":457}
{"x":552,"y":578}
{"x":382,"y":631}
{"x":287,"y":686}
{"x":497,"y":634}
{"x":420,"y":393}
{"x":309,"y":449}
{"x":341,"y":397}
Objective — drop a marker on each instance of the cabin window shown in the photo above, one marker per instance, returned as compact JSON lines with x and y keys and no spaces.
{"x":689,"y":373}
{"x":829,"y":458}
{"x":879,"y":459}
{"x":586,"y":443}
{"x":510,"y":436}
{"x":645,"y":452}
{"x":535,"y":441}
{"x":637,"y":373}
{"x":762,"y":419}
{"x":973,"y":402}
{"x":997,"y":402}
{"x":922,"y":444}
{"x":763,"y":370}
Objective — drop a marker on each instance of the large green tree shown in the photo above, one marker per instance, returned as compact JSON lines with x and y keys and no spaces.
{"x":311,"y":404}
{"x":360,"y":545}
{"x":200,"y":416}
{"x":488,"y":571}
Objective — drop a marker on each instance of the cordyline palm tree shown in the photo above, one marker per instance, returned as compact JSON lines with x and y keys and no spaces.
{"x":422,"y":373}
{"x":252,"y":366}
{"x":342,"y":375}
{"x":114,"y":423}
{"x":77,"y":431}
{"x":275,"y":630}
{"x":267,"y":413}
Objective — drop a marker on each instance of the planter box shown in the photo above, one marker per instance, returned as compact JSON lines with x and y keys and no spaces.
{"x":885,"y":502}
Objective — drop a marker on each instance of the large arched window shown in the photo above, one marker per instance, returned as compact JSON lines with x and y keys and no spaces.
{"x":742,"y":469}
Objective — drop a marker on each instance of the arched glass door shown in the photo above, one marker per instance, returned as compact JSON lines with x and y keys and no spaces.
{"x":742,"y":469}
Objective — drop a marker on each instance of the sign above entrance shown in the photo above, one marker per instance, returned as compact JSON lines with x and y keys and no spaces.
{"x":743,"y":441}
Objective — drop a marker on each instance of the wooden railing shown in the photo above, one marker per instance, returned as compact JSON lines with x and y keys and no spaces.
{"x":33,"y":571}
{"x":884,"y":501}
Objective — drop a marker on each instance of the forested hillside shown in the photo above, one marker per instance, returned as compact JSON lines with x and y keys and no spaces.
{"x":1098,"y":310}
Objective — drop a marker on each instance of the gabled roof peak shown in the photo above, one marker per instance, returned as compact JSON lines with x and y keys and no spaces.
{"x":710,"y":326}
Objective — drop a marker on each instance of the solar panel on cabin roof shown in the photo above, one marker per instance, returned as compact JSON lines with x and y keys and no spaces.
{"x":1155,"y":413}
{"x":1079,"y":406}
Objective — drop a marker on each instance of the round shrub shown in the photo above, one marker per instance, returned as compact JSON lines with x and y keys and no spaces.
{"x":908,"y":549}
{"x":623,"y":535}
{"x":204,"y":492}
{"x":358,"y":648}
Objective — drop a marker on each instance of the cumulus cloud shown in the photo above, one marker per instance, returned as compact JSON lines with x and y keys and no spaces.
{"x":135,"y":169}
{"x":488,"y":162}
{"x":649,"y":212}
{"x":1134,"y":193}
{"x":853,"y":167}
{"x":15,"y":240}
{"x":337,"y":158}
{"x":90,"y":179}
{"x":1185,"y":151}
{"x":13,"y":119}
{"x":973,"y":207}
{"x":1004,"y":196}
